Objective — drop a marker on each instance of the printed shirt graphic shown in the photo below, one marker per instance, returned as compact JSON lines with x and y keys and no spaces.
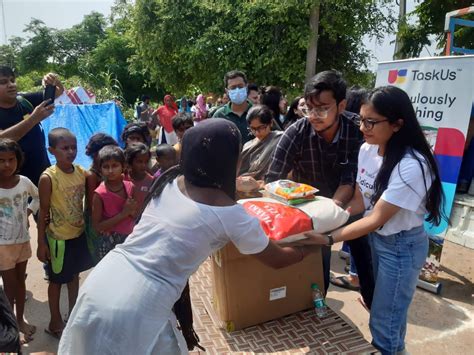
{"x":13,"y":211}
{"x":67,"y":203}
{"x":368,"y":168}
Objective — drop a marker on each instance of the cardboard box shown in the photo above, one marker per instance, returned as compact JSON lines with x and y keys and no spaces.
{"x":246,"y":292}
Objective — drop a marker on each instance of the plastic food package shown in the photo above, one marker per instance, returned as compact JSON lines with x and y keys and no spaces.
{"x":286,"y":224}
{"x":292,"y":202}
{"x":290,"y":190}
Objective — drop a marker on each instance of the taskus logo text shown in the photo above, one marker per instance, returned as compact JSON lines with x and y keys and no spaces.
{"x":399,"y":76}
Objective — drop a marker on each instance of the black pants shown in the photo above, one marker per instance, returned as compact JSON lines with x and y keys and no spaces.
{"x":9,"y":333}
{"x":360,"y":250}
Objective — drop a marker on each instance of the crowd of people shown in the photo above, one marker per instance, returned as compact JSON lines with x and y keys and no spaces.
{"x":145,"y":216}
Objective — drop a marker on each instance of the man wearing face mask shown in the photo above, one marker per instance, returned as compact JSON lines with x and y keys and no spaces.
{"x":236,"y":110}
{"x":322,"y":150}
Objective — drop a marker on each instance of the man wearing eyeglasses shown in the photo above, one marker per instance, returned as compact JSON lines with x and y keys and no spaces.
{"x":322,"y":149}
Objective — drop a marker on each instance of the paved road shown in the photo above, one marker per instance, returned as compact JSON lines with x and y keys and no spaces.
{"x":437,"y":325}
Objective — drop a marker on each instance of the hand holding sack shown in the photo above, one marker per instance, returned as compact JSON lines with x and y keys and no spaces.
{"x":286,"y":224}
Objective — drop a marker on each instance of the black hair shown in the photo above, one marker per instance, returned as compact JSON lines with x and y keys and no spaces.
{"x":394,"y":104}
{"x":97,"y":142}
{"x":356,"y":96}
{"x":144,"y":98}
{"x":164,"y":150}
{"x":135,"y":149}
{"x":262,"y":112}
{"x":270,"y":96}
{"x":9,"y":145}
{"x":252,"y":87}
{"x":291,"y":116}
{"x":330,"y":80}
{"x":139,"y":128}
{"x":234,"y":74}
{"x":111,"y":152}
{"x":58,"y":134}
{"x":6,"y":71}
{"x":181,"y":119}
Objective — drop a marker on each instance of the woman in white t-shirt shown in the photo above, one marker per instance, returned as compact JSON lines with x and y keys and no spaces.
{"x":125,"y":305}
{"x":398,"y":186}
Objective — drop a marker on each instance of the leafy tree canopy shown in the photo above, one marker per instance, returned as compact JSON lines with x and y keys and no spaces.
{"x":187,"y":42}
{"x":431,"y":16}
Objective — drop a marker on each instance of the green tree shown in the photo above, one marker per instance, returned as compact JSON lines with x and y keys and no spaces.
{"x":39,"y":48}
{"x":187,"y":42}
{"x":9,"y":52}
{"x":426,"y":21}
{"x":73,"y":43}
{"x":112,"y":55}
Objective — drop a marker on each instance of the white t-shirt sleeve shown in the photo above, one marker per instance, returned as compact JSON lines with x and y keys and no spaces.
{"x":33,"y":192}
{"x":406,"y":187}
{"x":246,"y":233}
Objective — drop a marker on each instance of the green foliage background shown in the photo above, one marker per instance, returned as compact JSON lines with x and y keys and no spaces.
{"x":185,"y":46}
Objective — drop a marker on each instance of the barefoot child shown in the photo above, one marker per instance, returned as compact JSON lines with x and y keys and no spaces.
{"x":137,"y":156}
{"x":15,"y":249}
{"x":93,"y":180}
{"x":113,"y":204}
{"x":61,"y":243}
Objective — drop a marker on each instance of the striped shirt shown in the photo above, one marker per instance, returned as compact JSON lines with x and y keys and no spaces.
{"x":313,"y":161}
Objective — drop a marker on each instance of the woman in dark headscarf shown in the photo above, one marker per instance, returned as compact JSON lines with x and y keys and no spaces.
{"x":125,"y":305}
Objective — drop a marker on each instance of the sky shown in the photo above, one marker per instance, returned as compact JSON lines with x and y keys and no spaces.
{"x":62,"y":14}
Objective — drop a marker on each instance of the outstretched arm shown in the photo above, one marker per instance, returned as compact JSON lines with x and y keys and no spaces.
{"x":19,"y":130}
{"x":278,"y":257}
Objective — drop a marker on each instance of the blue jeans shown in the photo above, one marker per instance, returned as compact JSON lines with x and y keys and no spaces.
{"x":397,"y":260}
{"x":352,"y":266}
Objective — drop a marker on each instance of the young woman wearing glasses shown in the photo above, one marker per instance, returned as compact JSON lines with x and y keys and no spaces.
{"x":399,"y":187}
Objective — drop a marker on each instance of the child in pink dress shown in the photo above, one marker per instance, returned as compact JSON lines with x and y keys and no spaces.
{"x":113,"y":203}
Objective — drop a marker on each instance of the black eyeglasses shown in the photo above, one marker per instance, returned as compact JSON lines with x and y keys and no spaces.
{"x":369,"y":124}
{"x":258,"y":129}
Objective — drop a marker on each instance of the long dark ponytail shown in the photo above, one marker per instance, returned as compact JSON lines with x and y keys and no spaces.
{"x":394,"y":104}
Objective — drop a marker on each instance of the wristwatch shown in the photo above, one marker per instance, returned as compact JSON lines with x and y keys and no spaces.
{"x":331,"y":240}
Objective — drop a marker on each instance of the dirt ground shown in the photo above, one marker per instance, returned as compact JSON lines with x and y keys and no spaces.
{"x":437,"y":324}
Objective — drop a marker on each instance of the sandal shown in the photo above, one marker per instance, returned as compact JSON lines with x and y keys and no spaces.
{"x":343,"y":281}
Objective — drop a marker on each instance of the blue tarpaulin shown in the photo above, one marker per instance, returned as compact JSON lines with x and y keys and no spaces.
{"x":84,"y":121}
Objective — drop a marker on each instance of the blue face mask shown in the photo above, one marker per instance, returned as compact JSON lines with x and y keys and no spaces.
{"x":238,"y":95}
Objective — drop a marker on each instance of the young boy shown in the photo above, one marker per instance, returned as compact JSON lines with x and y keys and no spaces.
{"x":61,"y":243}
{"x":165,"y":157}
{"x":181,"y":123}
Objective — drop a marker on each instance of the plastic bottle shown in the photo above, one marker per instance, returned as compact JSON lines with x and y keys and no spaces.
{"x":318,"y":301}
